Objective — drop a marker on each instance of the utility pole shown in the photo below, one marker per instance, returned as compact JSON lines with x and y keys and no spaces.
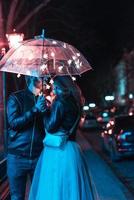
{"x":2,"y":105}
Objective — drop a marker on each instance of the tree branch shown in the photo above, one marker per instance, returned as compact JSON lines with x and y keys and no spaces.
{"x":1,"y":21}
{"x":19,"y":7}
{"x":32,"y":13}
{"x":10,"y":20}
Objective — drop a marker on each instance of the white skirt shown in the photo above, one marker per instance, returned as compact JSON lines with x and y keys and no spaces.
{"x":61,"y":174}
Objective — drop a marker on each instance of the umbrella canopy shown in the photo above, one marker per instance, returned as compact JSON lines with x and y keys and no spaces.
{"x":41,"y":57}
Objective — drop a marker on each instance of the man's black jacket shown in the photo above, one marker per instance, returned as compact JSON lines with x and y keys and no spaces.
{"x":26,"y":129}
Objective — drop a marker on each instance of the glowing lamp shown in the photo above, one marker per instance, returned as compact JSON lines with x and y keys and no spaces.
{"x":131,"y":96}
{"x":85,"y":107}
{"x":92,"y":105}
{"x":14,"y":39}
{"x":109,"y":98}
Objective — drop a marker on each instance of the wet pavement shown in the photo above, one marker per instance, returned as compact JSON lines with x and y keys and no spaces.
{"x":121,"y":172}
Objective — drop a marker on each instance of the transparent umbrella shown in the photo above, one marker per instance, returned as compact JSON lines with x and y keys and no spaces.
{"x":42,"y":56}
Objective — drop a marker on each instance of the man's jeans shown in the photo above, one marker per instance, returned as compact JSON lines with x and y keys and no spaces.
{"x":18,"y":169}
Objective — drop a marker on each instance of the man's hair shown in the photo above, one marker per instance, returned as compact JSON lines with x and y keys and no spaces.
{"x":28,"y":80}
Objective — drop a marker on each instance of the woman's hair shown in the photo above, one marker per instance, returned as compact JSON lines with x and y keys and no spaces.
{"x":68,"y":87}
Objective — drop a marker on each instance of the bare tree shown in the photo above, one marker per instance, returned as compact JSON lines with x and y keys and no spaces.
{"x":10,"y":11}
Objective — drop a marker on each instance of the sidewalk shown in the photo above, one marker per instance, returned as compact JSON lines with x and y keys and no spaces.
{"x":104,"y":181}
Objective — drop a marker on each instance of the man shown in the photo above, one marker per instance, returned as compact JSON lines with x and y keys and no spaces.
{"x":25,"y":109}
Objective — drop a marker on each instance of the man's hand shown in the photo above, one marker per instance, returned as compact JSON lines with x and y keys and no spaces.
{"x":41,"y":104}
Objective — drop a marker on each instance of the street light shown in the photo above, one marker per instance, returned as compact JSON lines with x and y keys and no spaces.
{"x":14,"y":39}
{"x":131,"y":96}
{"x":92,"y":105}
{"x":109,"y":98}
{"x":85,"y":108}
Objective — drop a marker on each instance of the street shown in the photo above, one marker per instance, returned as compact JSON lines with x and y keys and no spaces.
{"x":123,"y":169}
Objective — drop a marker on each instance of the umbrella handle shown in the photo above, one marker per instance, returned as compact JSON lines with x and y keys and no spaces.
{"x":42,"y":78}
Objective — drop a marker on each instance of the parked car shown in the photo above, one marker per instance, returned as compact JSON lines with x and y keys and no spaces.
{"x":89,"y":122}
{"x":118,"y":137}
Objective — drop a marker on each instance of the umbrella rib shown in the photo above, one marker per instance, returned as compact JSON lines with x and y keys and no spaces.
{"x":14,"y":50}
{"x":74,"y":65}
{"x":60,"y":44}
{"x":48,"y":60}
{"x":67,"y":66}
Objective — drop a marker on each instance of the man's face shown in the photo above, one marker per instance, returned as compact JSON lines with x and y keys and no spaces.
{"x":35,"y":85}
{"x":37,"y":82}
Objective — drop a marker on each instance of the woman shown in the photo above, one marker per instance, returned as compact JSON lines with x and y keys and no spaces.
{"x":61,"y":173}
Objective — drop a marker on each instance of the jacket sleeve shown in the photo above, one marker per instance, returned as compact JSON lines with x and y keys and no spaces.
{"x":54,"y":120}
{"x":17,"y":120}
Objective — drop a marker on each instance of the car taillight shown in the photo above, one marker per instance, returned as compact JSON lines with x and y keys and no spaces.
{"x":108,"y":125}
{"x":102,"y":134}
{"x":99,"y":119}
{"x":121,"y":131}
{"x":110,"y":131}
{"x":130,"y":113}
{"x":112,"y":122}
{"x":82,"y":119}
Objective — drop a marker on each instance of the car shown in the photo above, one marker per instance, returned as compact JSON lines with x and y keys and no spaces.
{"x":88,"y":122}
{"x":118,"y":137}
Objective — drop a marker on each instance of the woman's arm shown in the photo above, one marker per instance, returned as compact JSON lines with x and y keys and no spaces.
{"x":54,"y":120}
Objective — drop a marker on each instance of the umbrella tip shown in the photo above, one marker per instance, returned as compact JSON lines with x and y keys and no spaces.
{"x":41,"y":36}
{"x":43,"y":33}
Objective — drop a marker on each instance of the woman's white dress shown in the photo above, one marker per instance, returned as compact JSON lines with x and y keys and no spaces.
{"x":61,"y":174}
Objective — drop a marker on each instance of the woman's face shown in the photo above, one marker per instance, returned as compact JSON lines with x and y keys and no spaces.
{"x":56,"y":89}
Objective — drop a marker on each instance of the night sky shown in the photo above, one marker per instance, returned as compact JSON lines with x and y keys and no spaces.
{"x":100,"y":29}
